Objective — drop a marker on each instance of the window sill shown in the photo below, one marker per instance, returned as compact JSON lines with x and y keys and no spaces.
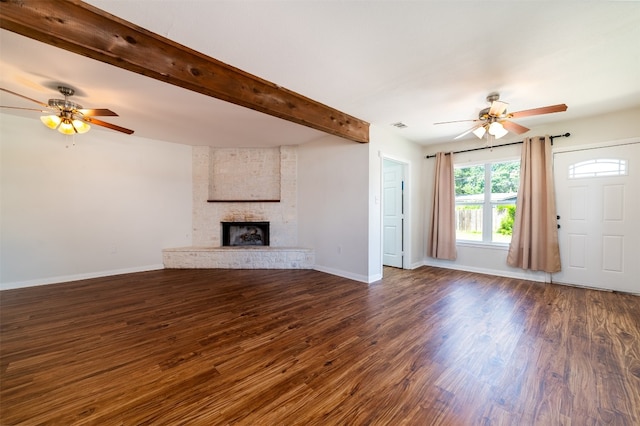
{"x":483,"y":245}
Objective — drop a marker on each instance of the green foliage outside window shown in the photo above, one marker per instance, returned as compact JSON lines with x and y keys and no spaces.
{"x":469,"y":180}
{"x":505,"y":177}
{"x":506,"y":224}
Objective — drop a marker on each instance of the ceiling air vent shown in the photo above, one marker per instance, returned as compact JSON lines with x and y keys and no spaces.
{"x":399,"y":125}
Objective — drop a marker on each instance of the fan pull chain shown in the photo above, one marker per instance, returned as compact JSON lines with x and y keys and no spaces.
{"x":73,"y":140}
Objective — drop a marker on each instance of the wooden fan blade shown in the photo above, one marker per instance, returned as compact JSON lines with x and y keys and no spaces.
{"x":538,"y":111}
{"x":497,"y":108}
{"x":514,"y":127}
{"x":25,"y":97}
{"x":26,"y":109}
{"x":456,"y":121}
{"x":102,"y":112}
{"x":97,"y":122}
{"x":467,"y":132}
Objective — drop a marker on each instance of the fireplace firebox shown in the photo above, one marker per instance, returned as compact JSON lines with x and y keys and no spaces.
{"x":245,"y":233}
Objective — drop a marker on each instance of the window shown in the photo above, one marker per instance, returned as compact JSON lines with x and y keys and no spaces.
{"x":598,"y":168}
{"x":486,"y":201}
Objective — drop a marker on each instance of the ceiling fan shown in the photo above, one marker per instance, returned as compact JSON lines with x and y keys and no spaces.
{"x":67,"y":116}
{"x":494,"y":120}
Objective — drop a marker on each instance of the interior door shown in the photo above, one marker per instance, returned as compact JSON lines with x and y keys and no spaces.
{"x":392,"y":213}
{"x":599,"y":208}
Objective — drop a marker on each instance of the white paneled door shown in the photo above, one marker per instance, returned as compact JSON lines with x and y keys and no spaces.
{"x":392,"y":213}
{"x":598,"y":202}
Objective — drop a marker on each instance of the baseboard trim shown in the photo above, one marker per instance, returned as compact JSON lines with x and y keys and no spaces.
{"x":523,"y":275}
{"x":77,"y":277}
{"x":416,"y":265}
{"x":344,"y":274}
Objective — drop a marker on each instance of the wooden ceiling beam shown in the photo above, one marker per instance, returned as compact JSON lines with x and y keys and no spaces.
{"x":86,"y":30}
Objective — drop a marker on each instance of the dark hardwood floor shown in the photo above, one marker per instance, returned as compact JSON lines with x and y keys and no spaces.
{"x":286,"y":347}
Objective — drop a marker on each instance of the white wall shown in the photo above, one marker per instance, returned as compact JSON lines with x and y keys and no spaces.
{"x":107,"y":205}
{"x":333,"y":201}
{"x":339,"y":202}
{"x":386,"y":144}
{"x":595,"y":130}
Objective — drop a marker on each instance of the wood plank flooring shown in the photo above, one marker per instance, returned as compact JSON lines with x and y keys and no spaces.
{"x":300,"y":347}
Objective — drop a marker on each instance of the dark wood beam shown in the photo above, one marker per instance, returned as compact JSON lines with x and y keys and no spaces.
{"x":84,"y":29}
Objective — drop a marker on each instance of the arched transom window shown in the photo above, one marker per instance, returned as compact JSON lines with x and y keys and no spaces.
{"x":598,"y":168}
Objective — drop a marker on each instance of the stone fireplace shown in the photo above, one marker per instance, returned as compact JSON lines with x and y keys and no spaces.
{"x":245,"y":234}
{"x":245,"y":187}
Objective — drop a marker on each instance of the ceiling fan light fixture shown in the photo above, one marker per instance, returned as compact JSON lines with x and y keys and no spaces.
{"x":51,"y":121}
{"x":497,"y":130}
{"x":80,"y":126}
{"x":69,"y":117}
{"x":480,"y":131}
{"x":66,"y":127}
{"x":493,"y":117}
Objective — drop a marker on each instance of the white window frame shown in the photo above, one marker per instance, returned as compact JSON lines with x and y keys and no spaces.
{"x":487,"y":205}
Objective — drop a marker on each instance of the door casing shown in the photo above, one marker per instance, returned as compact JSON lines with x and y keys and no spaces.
{"x":406,"y":242}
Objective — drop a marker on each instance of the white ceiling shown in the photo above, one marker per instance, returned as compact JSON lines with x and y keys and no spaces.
{"x":417,"y":62}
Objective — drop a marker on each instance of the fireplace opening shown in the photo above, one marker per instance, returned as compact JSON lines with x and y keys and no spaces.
{"x":245,"y":234}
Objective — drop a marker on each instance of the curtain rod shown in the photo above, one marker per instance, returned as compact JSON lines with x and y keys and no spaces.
{"x":566,"y":135}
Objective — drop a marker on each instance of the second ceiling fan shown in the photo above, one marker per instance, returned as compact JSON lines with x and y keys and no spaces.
{"x":66,"y":116}
{"x":494,"y":120}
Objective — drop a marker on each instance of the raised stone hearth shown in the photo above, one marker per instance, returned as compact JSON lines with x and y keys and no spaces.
{"x":251,"y":257}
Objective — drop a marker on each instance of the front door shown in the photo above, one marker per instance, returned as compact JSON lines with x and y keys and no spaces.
{"x":599,"y":209}
{"x":392,"y":213}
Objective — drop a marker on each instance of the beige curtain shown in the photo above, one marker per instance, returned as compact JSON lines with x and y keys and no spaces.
{"x":534,"y":243}
{"x":442,"y":233}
